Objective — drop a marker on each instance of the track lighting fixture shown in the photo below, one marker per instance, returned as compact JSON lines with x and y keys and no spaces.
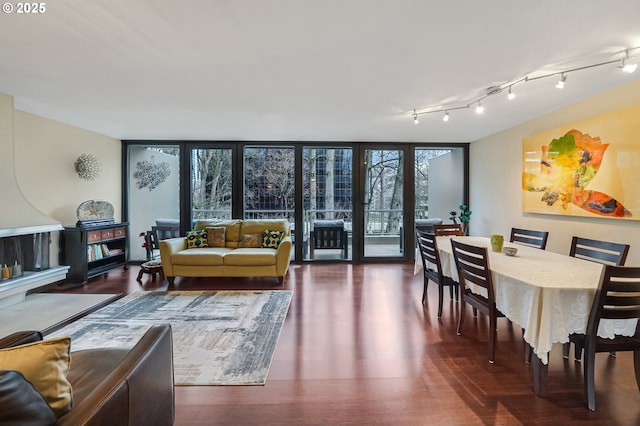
{"x":627,"y":67}
{"x":625,"y":63}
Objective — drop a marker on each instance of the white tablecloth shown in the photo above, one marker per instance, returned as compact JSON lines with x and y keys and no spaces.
{"x":548,"y":294}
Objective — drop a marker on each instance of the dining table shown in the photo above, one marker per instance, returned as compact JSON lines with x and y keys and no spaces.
{"x":549,"y":295}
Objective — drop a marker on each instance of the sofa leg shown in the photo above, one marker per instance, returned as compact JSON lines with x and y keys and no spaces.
{"x":170,"y":279}
{"x":281,"y":279}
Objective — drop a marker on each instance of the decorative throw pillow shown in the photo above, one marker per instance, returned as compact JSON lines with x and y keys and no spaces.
{"x":251,"y":240}
{"x":46,"y":365}
{"x":21,"y":403}
{"x":272,"y":238}
{"x":196,"y":239}
{"x":215,"y":236}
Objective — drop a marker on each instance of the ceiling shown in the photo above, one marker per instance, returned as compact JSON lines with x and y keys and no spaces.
{"x":302,"y":70}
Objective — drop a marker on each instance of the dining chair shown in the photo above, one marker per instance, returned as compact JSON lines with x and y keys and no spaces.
{"x":617,"y":298}
{"x":605,"y":252}
{"x":599,"y":251}
{"x":472,"y":263}
{"x":537,"y":239}
{"x":432,"y":270}
{"x":448,"y":229}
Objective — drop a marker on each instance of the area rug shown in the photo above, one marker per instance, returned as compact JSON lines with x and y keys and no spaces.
{"x":219,"y":337}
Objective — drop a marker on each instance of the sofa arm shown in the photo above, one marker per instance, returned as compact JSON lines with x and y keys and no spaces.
{"x":283,"y":256}
{"x":139,"y":390}
{"x":168,"y":248}
{"x":20,"y":338}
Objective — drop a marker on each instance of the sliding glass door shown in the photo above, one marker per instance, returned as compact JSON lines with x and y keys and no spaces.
{"x":383,"y":202}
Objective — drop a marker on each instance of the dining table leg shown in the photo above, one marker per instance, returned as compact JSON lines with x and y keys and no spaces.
{"x":540,"y":372}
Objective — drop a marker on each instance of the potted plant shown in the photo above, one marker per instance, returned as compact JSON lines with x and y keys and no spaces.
{"x":463,"y":216}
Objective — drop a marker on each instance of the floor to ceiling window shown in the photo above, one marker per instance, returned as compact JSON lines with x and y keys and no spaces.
{"x":346,"y":202}
{"x":327,"y":200}
{"x":383,"y":202}
{"x":211,"y":183}
{"x":153,"y":175}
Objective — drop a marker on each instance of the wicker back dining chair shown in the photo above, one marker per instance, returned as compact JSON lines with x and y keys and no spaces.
{"x":432,"y":270}
{"x":448,"y":229}
{"x":472,"y":263}
{"x":537,"y":239}
{"x":617,"y":298}
{"x":605,"y":252}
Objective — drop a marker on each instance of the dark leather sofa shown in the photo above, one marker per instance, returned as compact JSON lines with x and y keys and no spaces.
{"x":111,"y":386}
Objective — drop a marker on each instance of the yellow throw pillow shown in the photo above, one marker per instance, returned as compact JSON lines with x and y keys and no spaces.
{"x":215,"y":235}
{"x":45,"y":364}
{"x":251,"y":240}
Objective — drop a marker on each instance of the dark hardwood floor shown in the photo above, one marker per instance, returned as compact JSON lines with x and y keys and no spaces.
{"x":359,"y":348}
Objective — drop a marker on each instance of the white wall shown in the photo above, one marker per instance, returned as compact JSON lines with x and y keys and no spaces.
{"x":446,"y":184}
{"x":496,"y":176}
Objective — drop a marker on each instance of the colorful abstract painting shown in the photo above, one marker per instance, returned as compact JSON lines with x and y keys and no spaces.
{"x":580,"y":172}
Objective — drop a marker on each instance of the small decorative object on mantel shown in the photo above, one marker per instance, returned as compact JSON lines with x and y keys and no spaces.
{"x":88,"y":167}
{"x":93,"y":212}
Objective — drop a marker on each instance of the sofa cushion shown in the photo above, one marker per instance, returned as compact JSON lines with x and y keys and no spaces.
{"x":233,"y":226}
{"x":272,"y":239}
{"x":45,"y":364}
{"x":197,"y":238}
{"x":250,"y":257}
{"x":251,"y":240}
{"x":216,"y":236}
{"x":21,"y":403}
{"x":259,"y":226}
{"x":206,"y":256}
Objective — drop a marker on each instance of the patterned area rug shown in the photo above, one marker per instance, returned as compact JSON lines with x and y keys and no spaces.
{"x":219,"y":337}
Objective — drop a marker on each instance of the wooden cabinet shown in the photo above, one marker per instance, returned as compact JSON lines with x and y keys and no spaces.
{"x":93,"y":250}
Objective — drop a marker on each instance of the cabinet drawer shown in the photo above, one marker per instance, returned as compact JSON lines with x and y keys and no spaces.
{"x":94,"y":236}
{"x":119,"y":232}
{"x":107,"y":234}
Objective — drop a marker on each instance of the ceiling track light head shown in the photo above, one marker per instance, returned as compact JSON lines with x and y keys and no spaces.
{"x":415,"y":118}
{"x":511,"y":96}
{"x":479,"y":108}
{"x":563,"y":79}
{"x":446,"y":116}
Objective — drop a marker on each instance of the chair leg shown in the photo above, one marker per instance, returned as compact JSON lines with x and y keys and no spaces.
{"x":451,"y":291}
{"x":636,"y":366}
{"x":493,"y":324}
{"x":577,"y":352}
{"x":565,"y":350}
{"x":475,"y":312}
{"x":440,"y":297}
{"x":589,"y":377}
{"x":463,"y":307}
{"x":424,"y":290}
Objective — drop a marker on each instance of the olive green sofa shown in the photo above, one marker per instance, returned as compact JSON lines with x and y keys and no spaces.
{"x":234,"y":259}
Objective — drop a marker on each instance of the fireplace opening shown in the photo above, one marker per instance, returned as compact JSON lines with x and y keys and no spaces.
{"x":22,"y":254}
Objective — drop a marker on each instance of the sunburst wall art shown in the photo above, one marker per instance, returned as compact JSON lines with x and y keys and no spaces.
{"x":590,"y":168}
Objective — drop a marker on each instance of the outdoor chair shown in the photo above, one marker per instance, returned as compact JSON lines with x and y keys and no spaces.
{"x":537,"y":239}
{"x":617,"y":298}
{"x":329,"y":235}
{"x":432,"y":269}
{"x":472,"y":263}
{"x":605,"y":252}
{"x":448,"y":229}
